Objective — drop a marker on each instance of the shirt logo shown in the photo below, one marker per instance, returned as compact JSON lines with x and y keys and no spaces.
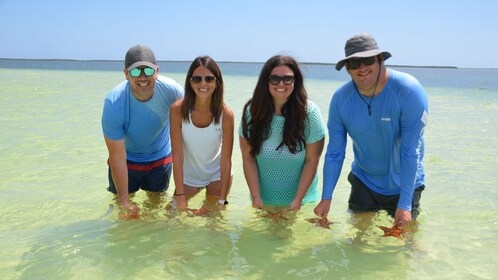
{"x":425,"y":117}
{"x":385,"y":119}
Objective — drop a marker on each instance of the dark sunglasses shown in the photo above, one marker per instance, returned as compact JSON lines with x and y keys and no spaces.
{"x":354,"y":64}
{"x":198,"y":79}
{"x":275,"y":80}
{"x":136,"y":72}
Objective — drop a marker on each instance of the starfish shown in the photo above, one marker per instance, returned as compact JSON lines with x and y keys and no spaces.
{"x":129,"y":216}
{"x":199,"y":212}
{"x":321,"y":222}
{"x":276,"y":217}
{"x":394,"y":231}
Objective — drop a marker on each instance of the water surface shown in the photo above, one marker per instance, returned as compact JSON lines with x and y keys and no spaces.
{"x":59,"y":220}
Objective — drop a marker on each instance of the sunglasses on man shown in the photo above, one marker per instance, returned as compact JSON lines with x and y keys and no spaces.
{"x":136,"y":72}
{"x":355,"y":63}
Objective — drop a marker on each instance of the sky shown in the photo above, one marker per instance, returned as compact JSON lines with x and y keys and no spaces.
{"x":461,"y":33}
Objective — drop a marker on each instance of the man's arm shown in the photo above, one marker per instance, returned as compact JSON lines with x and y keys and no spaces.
{"x":119,"y":171}
{"x":334,"y":158}
{"x":413,"y":121}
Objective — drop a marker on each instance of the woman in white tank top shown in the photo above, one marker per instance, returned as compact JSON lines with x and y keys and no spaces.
{"x":202,"y":128}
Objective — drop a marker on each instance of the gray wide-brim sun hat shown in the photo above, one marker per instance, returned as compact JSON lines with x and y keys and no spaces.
{"x":140,"y":55}
{"x":361,"y":45}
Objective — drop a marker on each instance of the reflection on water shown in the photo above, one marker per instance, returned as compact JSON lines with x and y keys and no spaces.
{"x":59,"y":220}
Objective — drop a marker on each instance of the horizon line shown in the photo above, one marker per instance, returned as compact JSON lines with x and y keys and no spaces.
{"x":231,"y":61}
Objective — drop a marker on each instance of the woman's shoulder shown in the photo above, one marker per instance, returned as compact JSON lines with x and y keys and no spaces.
{"x":227,"y":113}
{"x":311,"y":107}
{"x":226,"y":109}
{"x":177,"y":105}
{"x":311,"y":104}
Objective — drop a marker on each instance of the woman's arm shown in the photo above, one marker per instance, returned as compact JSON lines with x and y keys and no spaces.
{"x":313,"y":153}
{"x":250,"y":172}
{"x":177,"y":153}
{"x":226,"y":152}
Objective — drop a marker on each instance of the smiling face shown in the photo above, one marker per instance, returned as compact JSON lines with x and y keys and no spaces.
{"x":281,"y":91}
{"x":365,"y":76}
{"x":203,"y":89}
{"x":142,"y":86}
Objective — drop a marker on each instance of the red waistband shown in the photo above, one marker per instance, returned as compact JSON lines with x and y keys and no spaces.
{"x":151,"y":166}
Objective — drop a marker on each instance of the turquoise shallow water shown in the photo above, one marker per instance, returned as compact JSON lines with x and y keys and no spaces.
{"x":58,"y":219}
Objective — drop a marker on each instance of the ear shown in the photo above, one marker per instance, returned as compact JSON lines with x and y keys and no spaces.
{"x":381,"y":58}
{"x":126,"y":74}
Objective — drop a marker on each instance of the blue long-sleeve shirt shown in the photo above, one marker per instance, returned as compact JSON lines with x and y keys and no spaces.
{"x":388,"y":145}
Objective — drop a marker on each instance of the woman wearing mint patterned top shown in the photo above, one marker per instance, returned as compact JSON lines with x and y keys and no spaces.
{"x":281,"y":138}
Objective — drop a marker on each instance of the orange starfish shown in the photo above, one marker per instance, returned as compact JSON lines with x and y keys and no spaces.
{"x":394,"y":231}
{"x":276,"y":217}
{"x":130,"y":216}
{"x":321,"y":222}
{"x":199,"y":212}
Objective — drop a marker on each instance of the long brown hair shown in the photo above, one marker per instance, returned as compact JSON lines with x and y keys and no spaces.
{"x":261,"y":106}
{"x":216,"y":98}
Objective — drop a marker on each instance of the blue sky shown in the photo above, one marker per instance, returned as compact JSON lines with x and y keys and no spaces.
{"x":460,"y":33}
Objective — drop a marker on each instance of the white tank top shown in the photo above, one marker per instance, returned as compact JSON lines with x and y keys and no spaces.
{"x":201,"y":153}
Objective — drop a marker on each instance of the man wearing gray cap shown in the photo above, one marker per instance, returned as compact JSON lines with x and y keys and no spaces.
{"x":384,"y":112}
{"x":135,"y":123}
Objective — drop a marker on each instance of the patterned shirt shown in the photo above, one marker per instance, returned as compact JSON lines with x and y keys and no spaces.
{"x":279,"y":170}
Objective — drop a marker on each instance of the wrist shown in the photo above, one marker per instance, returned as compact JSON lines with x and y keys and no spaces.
{"x":296,"y":202}
{"x":124,"y":200}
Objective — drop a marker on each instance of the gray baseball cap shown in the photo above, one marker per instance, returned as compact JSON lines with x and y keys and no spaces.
{"x":140,"y":55}
{"x":361,"y":45}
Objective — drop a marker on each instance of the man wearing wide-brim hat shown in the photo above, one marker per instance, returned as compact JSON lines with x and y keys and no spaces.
{"x":384,"y":112}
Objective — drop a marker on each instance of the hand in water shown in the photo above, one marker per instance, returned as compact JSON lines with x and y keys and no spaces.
{"x":129,"y":211}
